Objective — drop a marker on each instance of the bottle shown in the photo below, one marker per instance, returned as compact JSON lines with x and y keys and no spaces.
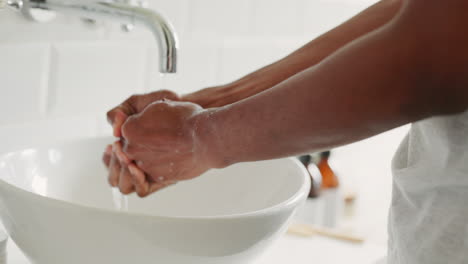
{"x":311,"y":212}
{"x":314,"y":173}
{"x":329,"y":179}
{"x":331,"y":193}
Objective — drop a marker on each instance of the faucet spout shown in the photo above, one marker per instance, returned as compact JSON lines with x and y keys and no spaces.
{"x":123,"y":13}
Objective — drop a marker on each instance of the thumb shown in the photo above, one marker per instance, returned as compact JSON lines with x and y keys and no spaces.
{"x":118,"y":120}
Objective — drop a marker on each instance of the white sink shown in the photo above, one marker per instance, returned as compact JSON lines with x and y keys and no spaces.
{"x":56,"y":205}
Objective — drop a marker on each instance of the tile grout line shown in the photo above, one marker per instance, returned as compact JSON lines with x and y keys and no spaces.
{"x":44,"y":92}
{"x":185,"y":17}
{"x":51,"y":92}
{"x":148,"y":69}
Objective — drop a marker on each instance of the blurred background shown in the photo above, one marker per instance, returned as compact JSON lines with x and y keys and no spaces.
{"x":59,"y":78}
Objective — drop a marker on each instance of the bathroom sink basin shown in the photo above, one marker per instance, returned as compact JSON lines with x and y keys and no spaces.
{"x":57,"y":206}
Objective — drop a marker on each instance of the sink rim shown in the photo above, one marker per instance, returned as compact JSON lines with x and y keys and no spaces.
{"x":291,"y":202}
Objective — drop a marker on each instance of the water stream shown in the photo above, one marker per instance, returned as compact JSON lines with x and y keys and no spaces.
{"x":163,"y":81}
{"x":120,"y":200}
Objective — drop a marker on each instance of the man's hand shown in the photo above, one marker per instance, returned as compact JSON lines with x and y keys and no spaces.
{"x":254,"y":83}
{"x":159,"y":147}
{"x":134,"y":105}
{"x":114,"y":158}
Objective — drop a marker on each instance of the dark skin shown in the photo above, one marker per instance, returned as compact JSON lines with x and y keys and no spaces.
{"x":309,"y":55}
{"x":396,"y":63}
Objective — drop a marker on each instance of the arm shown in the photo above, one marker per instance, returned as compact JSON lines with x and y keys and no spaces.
{"x":367,"y":87}
{"x":376,"y":83}
{"x":309,"y":55}
{"x":397,"y":74}
{"x":267,"y":77}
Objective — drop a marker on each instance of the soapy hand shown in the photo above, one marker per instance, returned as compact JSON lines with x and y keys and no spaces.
{"x":134,"y":105}
{"x":159,"y":146}
{"x":163,"y":142}
{"x":119,"y":175}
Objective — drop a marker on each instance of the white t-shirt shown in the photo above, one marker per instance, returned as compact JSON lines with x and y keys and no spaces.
{"x":428,"y":221}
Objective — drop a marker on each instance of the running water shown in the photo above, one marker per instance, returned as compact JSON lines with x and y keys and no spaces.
{"x":163,"y":81}
{"x":120,"y":200}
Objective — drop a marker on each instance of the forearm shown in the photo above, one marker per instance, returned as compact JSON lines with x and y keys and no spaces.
{"x":364,"y":89}
{"x":318,"y":49}
{"x":305,"y":57}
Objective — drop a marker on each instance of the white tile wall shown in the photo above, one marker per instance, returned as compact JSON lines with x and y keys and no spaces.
{"x":316,"y":14}
{"x":365,"y":167}
{"x":15,"y":29}
{"x":197,"y":68}
{"x":240,"y":56}
{"x":92,"y":77}
{"x":24,"y":77}
{"x":177,"y":11}
{"x":58,"y":79}
{"x":215,"y":18}
{"x":221,"y":40}
{"x":21,"y":135}
{"x":274,"y":17}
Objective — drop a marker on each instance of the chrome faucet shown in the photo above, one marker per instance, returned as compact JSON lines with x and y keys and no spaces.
{"x":118,"y":10}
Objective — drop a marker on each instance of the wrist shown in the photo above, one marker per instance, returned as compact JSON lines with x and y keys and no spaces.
{"x":207,"y":141}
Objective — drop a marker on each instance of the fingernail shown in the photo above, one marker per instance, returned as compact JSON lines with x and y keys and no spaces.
{"x":112,"y":181}
{"x":116,"y":132}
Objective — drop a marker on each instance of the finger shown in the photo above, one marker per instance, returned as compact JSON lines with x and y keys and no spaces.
{"x":154,"y":187}
{"x":159,"y":95}
{"x":124,"y":108}
{"x":114,"y":171}
{"x":136,"y":103}
{"x":106,"y":157}
{"x":139,"y":180}
{"x":121,"y":156}
{"x":205,"y":96}
{"x":130,"y":150}
{"x":117,"y":116}
{"x":125,"y":181}
{"x":224,"y":101}
{"x":197,"y":100}
{"x":119,"y":119}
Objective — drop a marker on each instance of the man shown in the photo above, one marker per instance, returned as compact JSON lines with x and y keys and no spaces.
{"x":397,"y":62}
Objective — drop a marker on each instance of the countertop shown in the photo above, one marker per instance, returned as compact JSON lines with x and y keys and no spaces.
{"x":291,"y":249}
